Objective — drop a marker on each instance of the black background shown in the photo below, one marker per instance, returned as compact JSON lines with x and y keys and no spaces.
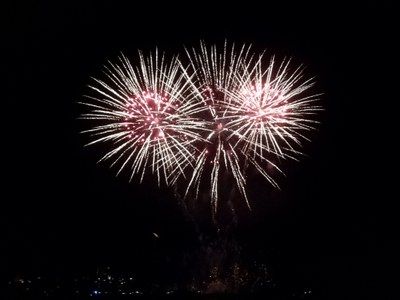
{"x":61,"y":213}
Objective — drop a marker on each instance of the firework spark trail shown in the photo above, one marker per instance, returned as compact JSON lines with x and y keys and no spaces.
{"x":147,"y":115}
{"x":215,"y":73}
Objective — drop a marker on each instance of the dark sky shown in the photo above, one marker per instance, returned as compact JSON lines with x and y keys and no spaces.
{"x":62,"y":213}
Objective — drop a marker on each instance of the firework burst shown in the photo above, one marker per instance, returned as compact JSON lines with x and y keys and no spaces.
{"x":147,"y":116}
{"x":256,"y":113}
{"x":206,"y":121}
{"x":268,"y":113}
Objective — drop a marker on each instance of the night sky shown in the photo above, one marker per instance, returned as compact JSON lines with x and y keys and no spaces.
{"x":64,"y":214}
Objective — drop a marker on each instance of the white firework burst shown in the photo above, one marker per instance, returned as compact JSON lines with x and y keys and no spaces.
{"x":256,"y":114}
{"x":208,"y":121}
{"x":147,"y":115}
{"x":269,"y":112}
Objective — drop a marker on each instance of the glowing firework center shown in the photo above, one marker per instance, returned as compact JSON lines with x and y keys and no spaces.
{"x":148,"y":116}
